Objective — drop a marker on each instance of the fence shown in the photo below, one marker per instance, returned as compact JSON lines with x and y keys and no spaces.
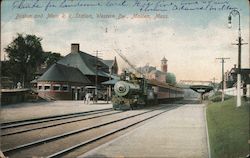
{"x":233,"y":91}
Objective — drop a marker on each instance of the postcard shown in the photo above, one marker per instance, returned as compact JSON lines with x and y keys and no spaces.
{"x":175,"y":41}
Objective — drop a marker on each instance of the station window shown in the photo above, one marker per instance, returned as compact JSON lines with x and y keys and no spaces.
{"x":40,"y":87}
{"x":65,"y":87}
{"x":46,"y":87}
{"x":56,"y":87}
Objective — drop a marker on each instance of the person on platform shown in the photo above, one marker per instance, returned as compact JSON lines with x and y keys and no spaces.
{"x":87,"y":97}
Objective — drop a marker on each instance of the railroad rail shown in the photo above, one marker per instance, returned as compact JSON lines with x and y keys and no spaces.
{"x":7,"y":125}
{"x":57,"y":124}
{"x":19,"y":148}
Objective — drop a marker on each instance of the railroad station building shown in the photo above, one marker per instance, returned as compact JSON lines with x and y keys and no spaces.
{"x":67,"y":79}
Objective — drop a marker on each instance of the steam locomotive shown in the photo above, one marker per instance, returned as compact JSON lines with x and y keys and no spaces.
{"x":132,"y":92}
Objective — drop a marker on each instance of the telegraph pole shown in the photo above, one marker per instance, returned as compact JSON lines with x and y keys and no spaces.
{"x":97,"y":54}
{"x":223,"y":82}
{"x":96,"y":76}
{"x":213,"y":81}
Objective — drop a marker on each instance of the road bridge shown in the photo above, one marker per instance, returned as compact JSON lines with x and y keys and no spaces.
{"x":201,"y":87}
{"x":195,"y":82}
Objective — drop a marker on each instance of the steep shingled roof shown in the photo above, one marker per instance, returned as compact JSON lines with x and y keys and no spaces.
{"x":109,"y":63}
{"x":59,"y":72}
{"x":85,"y":63}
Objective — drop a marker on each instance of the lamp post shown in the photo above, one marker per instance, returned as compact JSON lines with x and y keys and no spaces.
{"x":234,"y":13}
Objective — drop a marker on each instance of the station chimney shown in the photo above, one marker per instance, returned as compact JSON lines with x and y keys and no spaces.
{"x":164,"y":65}
{"x":75,"y":47}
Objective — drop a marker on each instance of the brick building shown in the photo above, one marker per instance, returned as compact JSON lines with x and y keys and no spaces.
{"x":162,"y":75}
{"x":66,"y":79}
{"x":62,"y":82}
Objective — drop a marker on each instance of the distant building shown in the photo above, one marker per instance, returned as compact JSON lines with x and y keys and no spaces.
{"x":152,"y":73}
{"x":112,"y":65}
{"x":157,"y":75}
{"x":164,"y":65}
{"x":66,"y":79}
{"x":231,"y":76}
{"x":231,"y":80}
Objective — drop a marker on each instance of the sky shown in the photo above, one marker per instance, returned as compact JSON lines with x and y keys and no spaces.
{"x":191,"y":34}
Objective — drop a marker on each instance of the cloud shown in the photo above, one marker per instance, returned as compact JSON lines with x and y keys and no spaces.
{"x":10,"y":29}
{"x":190,"y":55}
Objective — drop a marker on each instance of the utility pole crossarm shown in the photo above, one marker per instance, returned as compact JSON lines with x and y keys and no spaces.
{"x":222,"y":58}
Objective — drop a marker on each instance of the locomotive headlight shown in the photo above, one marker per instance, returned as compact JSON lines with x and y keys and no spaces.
{"x":121,"y":88}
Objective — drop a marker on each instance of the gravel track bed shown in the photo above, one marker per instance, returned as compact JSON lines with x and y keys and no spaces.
{"x":51,"y":147}
{"x":53,"y":123}
{"x":23,"y":111}
{"x":23,"y":138}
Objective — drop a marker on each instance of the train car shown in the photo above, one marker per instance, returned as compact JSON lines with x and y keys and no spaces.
{"x":132,"y":92}
{"x":166,"y":92}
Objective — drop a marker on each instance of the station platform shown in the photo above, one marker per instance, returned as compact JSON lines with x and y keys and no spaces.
{"x":23,"y":111}
{"x":180,"y":132}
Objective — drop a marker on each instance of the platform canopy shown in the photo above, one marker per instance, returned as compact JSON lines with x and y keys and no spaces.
{"x":110,"y":82}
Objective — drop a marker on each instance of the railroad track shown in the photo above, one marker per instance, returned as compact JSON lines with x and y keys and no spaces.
{"x":13,"y":128}
{"x":131,"y":121}
{"x":6,"y":125}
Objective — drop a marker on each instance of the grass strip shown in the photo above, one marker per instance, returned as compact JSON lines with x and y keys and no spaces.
{"x":228,"y":128}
